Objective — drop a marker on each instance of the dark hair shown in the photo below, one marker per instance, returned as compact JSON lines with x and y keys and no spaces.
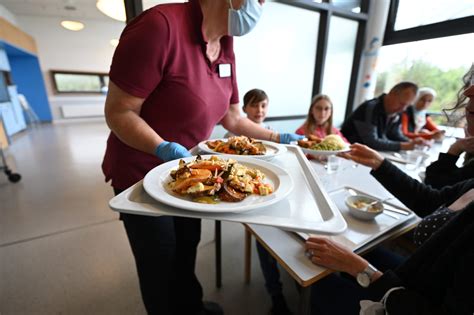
{"x":310,"y":123}
{"x":455,"y":114}
{"x":397,"y":88}
{"x":254,"y":96}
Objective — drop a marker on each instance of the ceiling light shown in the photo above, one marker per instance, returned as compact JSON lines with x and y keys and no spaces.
{"x":114,"y":9}
{"x":114,"y":42}
{"x":72,"y":25}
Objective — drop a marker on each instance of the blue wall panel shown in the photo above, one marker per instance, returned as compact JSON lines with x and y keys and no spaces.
{"x":27,"y":76}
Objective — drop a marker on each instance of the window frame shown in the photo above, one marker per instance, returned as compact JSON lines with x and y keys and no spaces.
{"x":430,"y":31}
{"x":326,"y":11}
{"x":100,"y":75}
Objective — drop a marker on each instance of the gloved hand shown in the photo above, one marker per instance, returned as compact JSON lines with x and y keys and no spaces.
{"x":286,"y":138}
{"x":168,"y":151}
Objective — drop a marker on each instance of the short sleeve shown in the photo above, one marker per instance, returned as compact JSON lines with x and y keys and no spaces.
{"x":300,"y":130}
{"x":140,"y":58}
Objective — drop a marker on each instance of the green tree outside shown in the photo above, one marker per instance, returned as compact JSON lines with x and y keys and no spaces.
{"x":446,"y":83}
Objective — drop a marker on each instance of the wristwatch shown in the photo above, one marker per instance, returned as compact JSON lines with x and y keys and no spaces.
{"x":364,"y":278}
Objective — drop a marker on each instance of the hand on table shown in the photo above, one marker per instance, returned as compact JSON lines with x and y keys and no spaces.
{"x":329,"y":254}
{"x":364,"y":155}
{"x":438,"y":134}
{"x":462,"y":145}
{"x":168,"y":151}
{"x":421,"y":141}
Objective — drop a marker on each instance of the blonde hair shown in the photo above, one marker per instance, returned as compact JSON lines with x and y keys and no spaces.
{"x":424,"y":91}
{"x":310,"y":123}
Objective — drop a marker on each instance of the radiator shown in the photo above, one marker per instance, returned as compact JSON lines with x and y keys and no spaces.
{"x":77,"y":111}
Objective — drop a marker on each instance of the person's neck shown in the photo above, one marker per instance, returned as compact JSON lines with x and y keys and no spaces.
{"x":214,"y":23}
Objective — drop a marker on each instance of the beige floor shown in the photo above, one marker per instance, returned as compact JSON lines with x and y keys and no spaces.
{"x":63,"y":251}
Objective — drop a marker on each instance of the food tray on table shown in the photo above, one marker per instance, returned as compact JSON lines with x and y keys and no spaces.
{"x":308,"y":208}
{"x":360,"y":233}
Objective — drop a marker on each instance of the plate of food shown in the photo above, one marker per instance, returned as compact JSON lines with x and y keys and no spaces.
{"x":218,"y":184}
{"x":330,"y":145}
{"x":242,"y":146}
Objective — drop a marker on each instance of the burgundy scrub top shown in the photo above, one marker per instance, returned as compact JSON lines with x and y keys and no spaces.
{"x":161,"y":57}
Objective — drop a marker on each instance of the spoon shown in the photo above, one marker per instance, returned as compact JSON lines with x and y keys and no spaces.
{"x":375,"y":202}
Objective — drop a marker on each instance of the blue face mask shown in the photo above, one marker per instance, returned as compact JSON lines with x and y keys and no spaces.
{"x":242,"y":21}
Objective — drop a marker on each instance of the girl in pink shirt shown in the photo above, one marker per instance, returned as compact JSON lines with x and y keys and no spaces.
{"x":319,"y":120}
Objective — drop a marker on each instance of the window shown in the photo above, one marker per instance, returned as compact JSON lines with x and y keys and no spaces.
{"x":279,"y":58}
{"x":423,"y":12}
{"x":339,"y":59}
{"x":424,"y":63}
{"x":350,"y":5}
{"x":426,"y":19}
{"x":79,"y":82}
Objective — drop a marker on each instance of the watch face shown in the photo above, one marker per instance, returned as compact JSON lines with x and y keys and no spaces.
{"x":363,"y":279}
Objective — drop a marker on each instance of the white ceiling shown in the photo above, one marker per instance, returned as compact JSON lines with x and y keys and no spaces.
{"x":84,"y":9}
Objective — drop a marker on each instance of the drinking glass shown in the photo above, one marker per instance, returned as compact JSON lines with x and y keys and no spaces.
{"x":413,"y":160}
{"x":333,"y":164}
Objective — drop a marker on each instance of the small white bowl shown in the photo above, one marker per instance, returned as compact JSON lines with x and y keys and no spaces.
{"x":358,"y":210}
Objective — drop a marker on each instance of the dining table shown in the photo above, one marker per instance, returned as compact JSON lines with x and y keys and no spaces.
{"x":315,"y":206}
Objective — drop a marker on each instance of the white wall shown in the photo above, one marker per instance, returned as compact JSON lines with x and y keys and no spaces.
{"x":7,"y":15}
{"x":60,"y":49}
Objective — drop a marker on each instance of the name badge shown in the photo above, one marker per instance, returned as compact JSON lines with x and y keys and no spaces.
{"x":224,"y":70}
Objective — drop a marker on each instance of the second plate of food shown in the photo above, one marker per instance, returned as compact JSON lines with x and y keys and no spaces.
{"x":330,"y":145}
{"x":243,"y":146}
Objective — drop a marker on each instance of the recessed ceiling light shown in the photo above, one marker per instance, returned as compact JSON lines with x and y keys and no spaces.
{"x":114,"y":42}
{"x":72,"y":25}
{"x":114,"y":9}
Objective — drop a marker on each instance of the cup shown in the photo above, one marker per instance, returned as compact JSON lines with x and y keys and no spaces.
{"x":413,"y":160}
{"x":421,"y":148}
{"x":333,"y":164}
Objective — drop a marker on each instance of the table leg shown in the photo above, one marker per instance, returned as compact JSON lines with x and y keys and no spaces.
{"x":248,"y":255}
{"x":217,"y":233}
{"x":304,"y":304}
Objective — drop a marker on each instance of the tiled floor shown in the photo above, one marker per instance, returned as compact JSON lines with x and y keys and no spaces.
{"x":63,"y":251}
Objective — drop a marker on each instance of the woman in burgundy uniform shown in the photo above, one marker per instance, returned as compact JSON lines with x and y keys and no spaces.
{"x":172,"y":80}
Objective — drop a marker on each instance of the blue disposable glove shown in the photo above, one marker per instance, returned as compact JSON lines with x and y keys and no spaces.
{"x":286,"y":138}
{"x":168,"y":151}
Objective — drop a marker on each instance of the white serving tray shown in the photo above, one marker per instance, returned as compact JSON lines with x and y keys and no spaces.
{"x":360,"y":233}
{"x":308,"y":208}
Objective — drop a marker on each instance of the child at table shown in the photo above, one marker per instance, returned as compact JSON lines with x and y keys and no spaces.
{"x":319,"y":119}
{"x":256,"y":107}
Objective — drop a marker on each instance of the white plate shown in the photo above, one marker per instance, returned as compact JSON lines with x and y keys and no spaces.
{"x":321,"y":152}
{"x":273,"y":149}
{"x":156,"y":185}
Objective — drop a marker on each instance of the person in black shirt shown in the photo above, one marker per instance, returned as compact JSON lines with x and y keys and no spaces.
{"x":376,"y":122}
{"x":444,"y":171}
{"x":437,"y":279}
